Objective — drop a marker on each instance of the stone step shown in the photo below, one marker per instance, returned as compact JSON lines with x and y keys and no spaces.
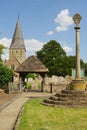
{"x":67,"y":102}
{"x":58,"y":98}
{"x":64,"y":106}
{"x":72,"y":92}
{"x":57,"y":102}
{"x":68,"y":98}
{"x":48,"y":104}
{"x":70,"y":95}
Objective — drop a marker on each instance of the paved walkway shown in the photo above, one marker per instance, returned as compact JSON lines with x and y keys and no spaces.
{"x":9,"y":114}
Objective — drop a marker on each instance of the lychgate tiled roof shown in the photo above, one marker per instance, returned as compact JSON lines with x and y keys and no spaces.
{"x":32,"y":64}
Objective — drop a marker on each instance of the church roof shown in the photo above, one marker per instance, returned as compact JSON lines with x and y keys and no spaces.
{"x":32,"y":64}
{"x":17,"y":40}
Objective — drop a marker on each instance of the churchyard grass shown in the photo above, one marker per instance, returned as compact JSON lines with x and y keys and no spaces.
{"x":36,"y":116}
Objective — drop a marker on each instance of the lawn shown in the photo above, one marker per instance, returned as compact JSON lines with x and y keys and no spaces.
{"x":36,"y":116}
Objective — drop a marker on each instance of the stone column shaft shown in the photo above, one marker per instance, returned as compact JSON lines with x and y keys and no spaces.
{"x":77,"y":52}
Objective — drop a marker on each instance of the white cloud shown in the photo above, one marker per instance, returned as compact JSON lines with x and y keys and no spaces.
{"x":32,"y":45}
{"x":67,"y":49}
{"x":6,"y":42}
{"x":64,"y":20}
{"x":50,"y":33}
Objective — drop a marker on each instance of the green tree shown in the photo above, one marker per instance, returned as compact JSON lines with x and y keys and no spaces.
{"x":52,"y":55}
{"x":1,"y":51}
{"x":31,"y":75}
{"x":84,"y":65}
{"x":69,"y":63}
{"x":54,"y":58}
{"x":86,"y":69}
{"x":6,"y":75}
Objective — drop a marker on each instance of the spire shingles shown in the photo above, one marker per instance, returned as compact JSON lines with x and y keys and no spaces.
{"x":17,"y":40}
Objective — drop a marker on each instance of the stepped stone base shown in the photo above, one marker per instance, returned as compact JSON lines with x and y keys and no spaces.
{"x":67,"y":98}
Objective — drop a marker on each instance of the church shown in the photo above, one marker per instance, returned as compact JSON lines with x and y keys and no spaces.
{"x":17,"y":50}
{"x":18,"y":62}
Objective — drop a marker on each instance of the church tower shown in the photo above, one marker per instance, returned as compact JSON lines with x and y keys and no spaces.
{"x":17,"y":51}
{"x":17,"y":47}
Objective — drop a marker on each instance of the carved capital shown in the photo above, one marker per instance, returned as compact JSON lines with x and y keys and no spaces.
{"x":77,"y":18}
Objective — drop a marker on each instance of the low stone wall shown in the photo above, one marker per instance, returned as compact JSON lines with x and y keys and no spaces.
{"x":14,"y":87}
{"x":52,"y":84}
{"x":54,"y":88}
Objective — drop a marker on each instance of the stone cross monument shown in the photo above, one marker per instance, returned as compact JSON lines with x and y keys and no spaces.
{"x":76,"y":19}
{"x":77,"y":84}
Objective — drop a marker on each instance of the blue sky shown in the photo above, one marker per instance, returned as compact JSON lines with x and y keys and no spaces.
{"x":42,"y":21}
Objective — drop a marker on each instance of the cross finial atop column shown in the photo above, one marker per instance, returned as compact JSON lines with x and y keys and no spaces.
{"x":77,"y":18}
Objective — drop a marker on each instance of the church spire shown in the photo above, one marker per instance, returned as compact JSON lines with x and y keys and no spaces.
{"x":17,"y":40}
